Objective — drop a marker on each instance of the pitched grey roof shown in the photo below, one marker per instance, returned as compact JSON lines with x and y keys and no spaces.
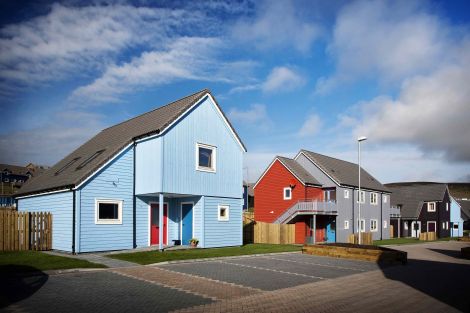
{"x":345,"y":173}
{"x":106,"y":144}
{"x":411,"y":196}
{"x":464,"y":209}
{"x":299,"y":171}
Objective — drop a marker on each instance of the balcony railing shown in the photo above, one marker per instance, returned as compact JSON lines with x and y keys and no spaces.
{"x":304,"y":207}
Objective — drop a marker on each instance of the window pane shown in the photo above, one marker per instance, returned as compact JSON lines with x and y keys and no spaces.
{"x":222,"y":212}
{"x":108,"y":211}
{"x":205,"y":157}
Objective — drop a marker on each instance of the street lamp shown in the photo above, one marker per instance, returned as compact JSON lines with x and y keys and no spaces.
{"x":362,"y":138}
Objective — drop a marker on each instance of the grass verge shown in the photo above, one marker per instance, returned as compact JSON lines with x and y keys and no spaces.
{"x":149,"y":257}
{"x":406,"y":241}
{"x":32,"y":261}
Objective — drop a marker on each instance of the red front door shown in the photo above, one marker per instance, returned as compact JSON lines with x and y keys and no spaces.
{"x":154,"y":228}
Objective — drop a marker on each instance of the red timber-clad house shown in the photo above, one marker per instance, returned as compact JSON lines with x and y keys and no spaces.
{"x":286,"y":186}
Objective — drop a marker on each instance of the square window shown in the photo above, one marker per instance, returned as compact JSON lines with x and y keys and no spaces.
{"x":373,"y":225}
{"x":456,"y":226}
{"x":431,"y":206}
{"x":223,"y":214}
{"x":108,"y":212}
{"x":205,"y":158}
{"x":346,"y":224}
{"x":287,"y":193}
{"x":373,"y":198}
{"x":346,"y":194}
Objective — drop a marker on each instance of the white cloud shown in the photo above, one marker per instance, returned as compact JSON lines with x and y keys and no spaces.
{"x":311,"y":126}
{"x":431,"y":112}
{"x":48,"y":143}
{"x":282,"y":79}
{"x":278,"y":24}
{"x":390,"y":39}
{"x":74,"y":41}
{"x":255,"y":116}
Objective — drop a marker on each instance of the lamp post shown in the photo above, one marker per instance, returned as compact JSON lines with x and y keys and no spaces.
{"x":362,"y":138}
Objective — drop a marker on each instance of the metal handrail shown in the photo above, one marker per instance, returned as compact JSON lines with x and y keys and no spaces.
{"x":314,"y":206}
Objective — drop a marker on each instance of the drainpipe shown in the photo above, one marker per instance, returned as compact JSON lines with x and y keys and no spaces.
{"x":73,"y":221}
{"x":381,"y":216}
{"x":134,"y":209}
{"x":160,"y":221}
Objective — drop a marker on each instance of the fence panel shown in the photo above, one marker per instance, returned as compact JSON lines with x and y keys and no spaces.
{"x":24,"y":231}
{"x":366,"y":239}
{"x":274,"y":233}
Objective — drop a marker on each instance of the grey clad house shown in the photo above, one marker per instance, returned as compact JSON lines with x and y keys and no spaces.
{"x":420,"y":207}
{"x":339,"y":180}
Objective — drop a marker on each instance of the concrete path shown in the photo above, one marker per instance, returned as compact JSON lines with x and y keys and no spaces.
{"x":438,"y":251}
{"x":99,"y":258}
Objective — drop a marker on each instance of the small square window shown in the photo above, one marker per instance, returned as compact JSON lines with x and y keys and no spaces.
{"x":456,"y":226}
{"x":287,"y":193}
{"x":431,"y":206}
{"x":108,"y":212}
{"x":346,"y":224}
{"x":346,"y":194}
{"x":205,"y":158}
{"x":223,"y":214}
{"x":373,"y":225}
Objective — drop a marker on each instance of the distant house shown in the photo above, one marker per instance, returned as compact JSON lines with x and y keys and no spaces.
{"x":12,"y":177}
{"x":248,"y":196}
{"x":160,"y":178}
{"x":465,"y":212}
{"x":420,"y":207}
{"x":461,"y":193}
{"x":319,"y":194}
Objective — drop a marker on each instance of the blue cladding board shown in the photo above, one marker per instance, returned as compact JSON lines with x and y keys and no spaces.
{"x":187,"y":223}
{"x":61,"y":207}
{"x":202,"y":125}
{"x":148,"y":166}
{"x":113,"y":182}
{"x":222,"y":233}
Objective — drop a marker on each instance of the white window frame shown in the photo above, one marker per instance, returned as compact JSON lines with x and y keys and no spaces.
{"x":447,"y":206}
{"x":117,"y":221}
{"x":405,"y":225}
{"x":385,"y":224}
{"x":212,"y":169}
{"x":447,"y":225}
{"x":376,"y":196}
{"x":361,"y":225}
{"x":227,"y":210}
{"x":429,"y":205}
{"x":284,"y":193}
{"x":363,"y":193}
{"x":376,"y":225}
{"x":385,"y":199}
{"x":346,"y":194}
{"x":346,"y":224}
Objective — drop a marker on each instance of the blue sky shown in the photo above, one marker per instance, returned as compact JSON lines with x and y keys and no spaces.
{"x":289,"y":74}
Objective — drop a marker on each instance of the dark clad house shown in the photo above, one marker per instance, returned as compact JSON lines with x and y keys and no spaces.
{"x":420,"y":207}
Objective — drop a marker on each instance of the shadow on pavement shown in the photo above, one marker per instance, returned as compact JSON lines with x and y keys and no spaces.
{"x":452,"y":253}
{"x":446,"y":282}
{"x":19,"y":282}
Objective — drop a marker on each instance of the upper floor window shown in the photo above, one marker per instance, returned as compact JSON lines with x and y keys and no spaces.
{"x":373,"y":198}
{"x":385,"y":199}
{"x":205,"y":157}
{"x":346,"y":224}
{"x":287,"y":193}
{"x":346,"y":194}
{"x":431,"y":206}
{"x":362,"y":199}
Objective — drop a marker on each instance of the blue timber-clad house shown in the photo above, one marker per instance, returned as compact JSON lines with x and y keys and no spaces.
{"x":174,"y":173}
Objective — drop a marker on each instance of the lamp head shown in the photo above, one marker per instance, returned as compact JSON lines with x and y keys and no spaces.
{"x":362,"y":138}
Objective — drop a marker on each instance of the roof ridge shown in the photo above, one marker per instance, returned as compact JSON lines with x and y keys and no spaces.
{"x":157,"y":108}
{"x":327,"y":156}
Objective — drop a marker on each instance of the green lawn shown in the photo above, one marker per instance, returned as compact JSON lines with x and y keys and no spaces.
{"x":31,"y":261}
{"x":149,"y":257}
{"x":405,"y":241}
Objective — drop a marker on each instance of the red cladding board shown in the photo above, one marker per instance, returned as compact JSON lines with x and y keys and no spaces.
{"x":269,"y":193}
{"x":300,"y":231}
{"x":314,"y":193}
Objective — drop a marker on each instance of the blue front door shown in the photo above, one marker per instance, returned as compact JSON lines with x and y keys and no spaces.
{"x":186,"y":223}
{"x":331,"y":231}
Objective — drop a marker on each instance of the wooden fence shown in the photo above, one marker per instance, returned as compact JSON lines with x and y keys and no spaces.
{"x":248,"y":217}
{"x":366,"y":239}
{"x":427,"y":236}
{"x":391,"y":231}
{"x":25,"y":231}
{"x":273,"y":233}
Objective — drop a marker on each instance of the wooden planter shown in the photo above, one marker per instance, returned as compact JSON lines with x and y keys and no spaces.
{"x":357,"y":252}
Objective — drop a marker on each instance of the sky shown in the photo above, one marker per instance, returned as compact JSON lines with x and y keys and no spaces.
{"x":290,"y":75}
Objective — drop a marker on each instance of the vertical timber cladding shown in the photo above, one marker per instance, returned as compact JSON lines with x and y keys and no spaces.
{"x":269,"y":193}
